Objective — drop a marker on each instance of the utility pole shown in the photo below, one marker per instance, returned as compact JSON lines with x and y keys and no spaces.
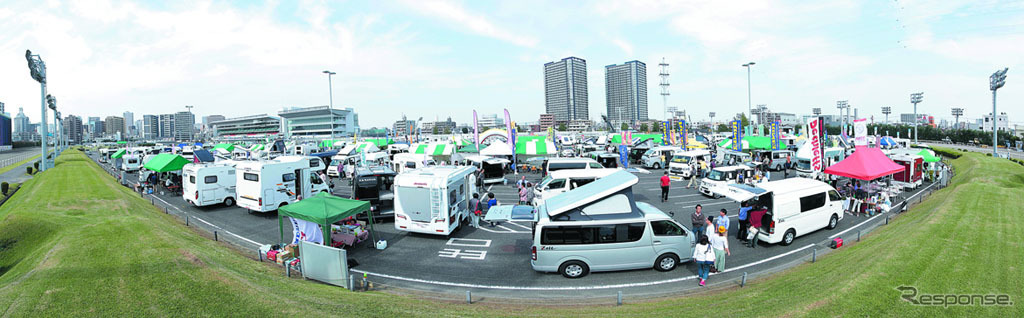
{"x":37,"y":69}
{"x":916,"y":98}
{"x":749,"y":107}
{"x":330,"y":92}
{"x":664,"y":86}
{"x":957,"y":112}
{"x":886,"y":110}
{"x":996,"y":81}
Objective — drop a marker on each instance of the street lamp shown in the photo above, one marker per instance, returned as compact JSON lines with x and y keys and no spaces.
{"x":749,"y":109}
{"x":37,"y":69}
{"x":886,"y":110}
{"x":957,"y":112}
{"x":816,"y":111}
{"x":330,"y":92}
{"x":916,"y":98}
{"x":995,"y":82}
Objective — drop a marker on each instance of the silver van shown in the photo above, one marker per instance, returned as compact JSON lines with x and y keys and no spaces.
{"x":600,"y":227}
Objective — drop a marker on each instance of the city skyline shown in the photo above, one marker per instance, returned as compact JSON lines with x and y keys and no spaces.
{"x":425,"y":58}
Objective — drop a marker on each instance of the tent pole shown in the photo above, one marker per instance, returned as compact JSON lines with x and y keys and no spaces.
{"x":280,"y":227}
{"x":373,"y":232}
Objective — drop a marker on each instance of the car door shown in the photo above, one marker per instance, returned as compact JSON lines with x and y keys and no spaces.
{"x":670,"y":237}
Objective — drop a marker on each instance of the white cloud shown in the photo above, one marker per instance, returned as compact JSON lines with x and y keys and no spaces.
{"x":625,"y":46}
{"x":474,"y":22}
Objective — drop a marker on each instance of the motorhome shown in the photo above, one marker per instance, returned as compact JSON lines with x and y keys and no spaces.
{"x":718,"y":180}
{"x":187,"y":152}
{"x":209,"y":183}
{"x":831,"y":156}
{"x":555,"y":164}
{"x":131,"y":163}
{"x":653,"y":157}
{"x":394,"y":149}
{"x":910,"y":176}
{"x":796,"y":207}
{"x":681,"y":164}
{"x":600,"y":227}
{"x":405,"y":161}
{"x":493,"y":169}
{"x":730,"y":157}
{"x":434,"y":200}
{"x":774,"y":159}
{"x":562,"y":181}
{"x":269,"y":184}
{"x":375,"y":184}
{"x":304,"y":149}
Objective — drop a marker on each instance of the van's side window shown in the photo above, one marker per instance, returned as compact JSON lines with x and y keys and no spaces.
{"x":611,"y":233}
{"x":192,"y":179}
{"x":594,"y":165}
{"x":812,"y":202}
{"x":288,"y":177}
{"x":556,"y":184}
{"x":834,"y":196}
{"x":666,"y":228}
{"x":313,"y":163}
{"x":410,"y":165}
{"x":251,"y":177}
{"x":209,"y":179}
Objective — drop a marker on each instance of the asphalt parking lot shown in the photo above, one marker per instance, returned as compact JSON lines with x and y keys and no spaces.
{"x":496,"y":261}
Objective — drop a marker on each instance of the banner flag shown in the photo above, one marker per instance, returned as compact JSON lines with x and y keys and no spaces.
{"x":476,"y":132}
{"x":814,"y":125}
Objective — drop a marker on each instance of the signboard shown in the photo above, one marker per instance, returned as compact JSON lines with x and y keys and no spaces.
{"x":815,"y":136}
{"x":737,"y":136}
{"x":773,"y":131}
{"x":624,"y":156}
{"x":551,"y":134}
{"x":665,"y":127}
{"x":860,"y":132}
{"x":627,"y":137}
{"x":476,"y":132}
{"x":324,"y":263}
{"x":682,"y":133}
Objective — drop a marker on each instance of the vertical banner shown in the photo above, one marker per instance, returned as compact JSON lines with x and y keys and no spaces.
{"x":508,"y":127}
{"x":773,"y":131}
{"x":627,"y":138}
{"x":737,"y":136}
{"x":512,"y":144}
{"x":814,"y":130}
{"x":665,"y":127}
{"x":476,"y":132}
{"x":860,"y":132}
{"x":624,"y":156}
{"x":682,"y":133}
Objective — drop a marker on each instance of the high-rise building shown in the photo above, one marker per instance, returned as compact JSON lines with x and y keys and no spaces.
{"x":565,"y":89}
{"x":626,"y":92}
{"x":166,"y":126}
{"x":21,"y":121}
{"x":129,"y":124}
{"x":114,"y":126}
{"x":183,"y":126}
{"x":73,"y":129}
{"x":97,"y":127}
{"x":150,"y":127}
{"x":213,"y":118}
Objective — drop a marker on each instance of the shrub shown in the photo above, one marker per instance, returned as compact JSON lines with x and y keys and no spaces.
{"x":948,"y":153}
{"x":36,"y":165}
{"x":4,"y":186}
{"x":28,"y":170}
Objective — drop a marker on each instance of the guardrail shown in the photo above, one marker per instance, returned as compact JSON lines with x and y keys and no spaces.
{"x":16,"y":159}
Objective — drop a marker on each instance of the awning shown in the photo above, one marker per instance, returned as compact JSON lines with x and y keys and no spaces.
{"x":120,"y":153}
{"x":433,"y":149}
{"x":323,"y":209}
{"x":536,"y":148}
{"x":865,"y":164}
{"x":165,"y":162}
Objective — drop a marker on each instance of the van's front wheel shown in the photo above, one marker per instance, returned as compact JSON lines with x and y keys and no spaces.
{"x":229,"y":201}
{"x":666,"y":262}
{"x":788,"y":237}
{"x":573,"y":269}
{"x":833,"y":222}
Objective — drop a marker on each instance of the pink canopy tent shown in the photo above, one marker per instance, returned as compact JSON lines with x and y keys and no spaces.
{"x":865,"y":164}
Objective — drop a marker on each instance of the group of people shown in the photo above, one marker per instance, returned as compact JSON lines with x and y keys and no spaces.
{"x":712,"y":232}
{"x":525,"y":191}
{"x":859,"y":201}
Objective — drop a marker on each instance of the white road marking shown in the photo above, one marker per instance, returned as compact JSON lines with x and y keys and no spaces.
{"x":484,"y":228}
{"x":706,"y":205}
{"x":468,"y":242}
{"x":519,"y":225}
{"x":208,"y":223}
{"x":507,"y":229}
{"x":685,"y":195}
{"x":463,"y":254}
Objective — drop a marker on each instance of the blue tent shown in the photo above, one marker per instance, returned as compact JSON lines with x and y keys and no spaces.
{"x":199,"y":144}
{"x":887,"y":141}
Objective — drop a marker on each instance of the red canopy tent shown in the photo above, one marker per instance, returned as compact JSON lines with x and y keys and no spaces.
{"x":865,"y":164}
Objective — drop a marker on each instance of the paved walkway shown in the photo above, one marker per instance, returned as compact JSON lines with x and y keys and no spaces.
{"x":17,"y":174}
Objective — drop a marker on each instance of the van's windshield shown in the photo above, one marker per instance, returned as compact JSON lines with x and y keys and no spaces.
{"x":681,"y":159}
{"x":716,"y":175}
{"x":803,"y":164}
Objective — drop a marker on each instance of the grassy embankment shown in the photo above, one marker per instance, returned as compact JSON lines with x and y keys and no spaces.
{"x":73,"y":242}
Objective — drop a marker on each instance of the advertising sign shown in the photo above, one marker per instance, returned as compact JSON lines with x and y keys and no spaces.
{"x":476,"y":132}
{"x":860,"y":132}
{"x":682,"y":133}
{"x":773,"y":130}
{"x":815,"y":136}
{"x":737,"y":136}
{"x":665,"y":132}
{"x":624,"y":156}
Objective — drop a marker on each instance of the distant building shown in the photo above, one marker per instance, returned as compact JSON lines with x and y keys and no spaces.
{"x":183,"y":126}
{"x":784,"y":119}
{"x":6,"y":131}
{"x":73,"y":129}
{"x":150,"y":127}
{"x":565,"y":89}
{"x":491,"y":121}
{"x":626,"y":92}
{"x":252,"y":126}
{"x":443,"y":127}
{"x":166,"y":126}
{"x":404,"y":127}
{"x":21,"y":121}
{"x":316,"y":121}
{"x":546,"y":120}
{"x":1002,"y":122}
{"x":214,"y":118}
{"x":129,"y":124}
{"x":579,"y":125}
{"x":114,"y":126}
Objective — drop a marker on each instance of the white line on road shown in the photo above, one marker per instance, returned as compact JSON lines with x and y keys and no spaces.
{"x":207,"y":223}
{"x":519,"y":225}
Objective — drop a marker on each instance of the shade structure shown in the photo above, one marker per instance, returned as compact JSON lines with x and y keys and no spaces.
{"x":433,"y":149}
{"x":165,"y":162}
{"x":323,"y":209}
{"x":497,"y":148}
{"x":256,"y":147}
{"x":536,"y":148}
{"x":380,"y":142}
{"x":928,"y":157}
{"x":225,"y":146}
{"x":470,"y":148}
{"x":120,"y":153}
{"x":865,"y":164}
{"x":752,"y":142}
{"x":122,"y":142}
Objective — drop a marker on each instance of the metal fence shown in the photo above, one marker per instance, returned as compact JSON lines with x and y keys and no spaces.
{"x":17,"y":158}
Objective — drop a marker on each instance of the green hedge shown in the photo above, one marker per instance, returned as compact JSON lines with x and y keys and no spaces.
{"x":947,"y":152}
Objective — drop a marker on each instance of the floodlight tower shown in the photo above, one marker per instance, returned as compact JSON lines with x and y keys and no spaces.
{"x":995,"y":82}
{"x":330,"y":90}
{"x":916,"y":98}
{"x":842,"y":121}
{"x":664,"y":85}
{"x":957,"y":112}
{"x":886,"y":110}
{"x":37,"y":69}
{"x":749,"y":108}
{"x":711,"y":121}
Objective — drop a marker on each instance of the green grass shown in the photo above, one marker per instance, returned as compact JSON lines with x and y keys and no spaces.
{"x":72,"y":242}
{"x":19,"y":163}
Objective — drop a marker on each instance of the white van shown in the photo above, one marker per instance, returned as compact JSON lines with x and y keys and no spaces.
{"x":267,"y":185}
{"x":796,"y":206}
{"x":562,"y":181}
{"x":718,"y":180}
{"x":803,"y":160}
{"x":208,"y":184}
{"x":652,"y":157}
{"x":680,"y":165}
{"x":131,"y":163}
{"x":600,"y":227}
{"x":405,"y":161}
{"x":434,"y":200}
{"x":493,"y":168}
{"x":554,"y":164}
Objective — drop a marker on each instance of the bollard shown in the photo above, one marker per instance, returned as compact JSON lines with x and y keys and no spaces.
{"x":743,"y":282}
{"x":858,"y":235}
{"x":618,"y":301}
{"x":215,"y":236}
{"x":259,"y":255}
{"x":814,"y":255}
{"x":469,"y":297}
{"x":351,"y":283}
{"x":186,"y":220}
{"x":165,"y":210}
{"x":287,"y":269}
{"x":886,"y":220}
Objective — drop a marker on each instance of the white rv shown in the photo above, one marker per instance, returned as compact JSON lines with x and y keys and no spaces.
{"x":718,"y":180}
{"x":680,"y":165}
{"x":796,"y":207}
{"x":131,"y":163}
{"x":434,"y":200}
{"x":408,"y":161}
{"x":804,"y":156}
{"x":493,"y":168}
{"x":208,"y":184}
{"x":267,"y":185}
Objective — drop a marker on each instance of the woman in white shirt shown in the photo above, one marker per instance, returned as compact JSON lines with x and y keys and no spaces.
{"x":705,"y":257}
{"x":720,"y":244}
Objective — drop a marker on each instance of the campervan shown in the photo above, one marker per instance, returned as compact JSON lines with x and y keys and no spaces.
{"x":652,"y":157}
{"x":831,"y":156}
{"x":394,"y":149}
{"x":209,"y":183}
{"x":600,"y":227}
{"x":910,"y":176}
{"x":796,"y":207}
{"x":375,"y":184}
{"x":562,"y":181}
{"x":606,"y":159}
{"x":681,"y":164}
{"x":405,"y":161}
{"x":730,"y":157}
{"x":434,"y":200}
{"x":555,"y":164}
{"x":131,"y":163}
{"x":267,"y":185}
{"x":493,"y":169}
{"x":774,"y":159}
{"x":187,"y":152}
{"x":718,"y":180}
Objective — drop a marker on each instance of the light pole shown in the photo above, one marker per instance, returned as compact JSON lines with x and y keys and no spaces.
{"x":916,"y":98}
{"x":749,"y":107}
{"x":37,"y":69}
{"x":886,"y":110}
{"x":842,"y":121}
{"x":995,"y":82}
{"x":59,"y":123}
{"x":957,"y":112}
{"x":711,"y":122}
{"x":330,"y":93}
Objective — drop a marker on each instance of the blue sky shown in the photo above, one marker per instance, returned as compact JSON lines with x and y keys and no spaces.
{"x":446,"y":58}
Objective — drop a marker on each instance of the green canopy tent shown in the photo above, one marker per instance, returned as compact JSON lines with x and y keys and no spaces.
{"x":928,"y":157}
{"x":381,"y":142}
{"x":120,"y":153}
{"x":324,"y":209}
{"x":122,"y":142}
{"x":470,"y":148}
{"x":165,"y":162}
{"x":227,"y":147}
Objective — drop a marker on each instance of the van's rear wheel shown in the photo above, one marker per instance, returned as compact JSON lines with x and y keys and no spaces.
{"x":657,"y":165}
{"x":833,"y":222}
{"x":573,"y":269}
{"x":229,"y":201}
{"x":788,"y":237}
{"x":666,"y":262}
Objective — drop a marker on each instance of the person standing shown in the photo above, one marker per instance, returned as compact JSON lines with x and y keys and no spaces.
{"x":523,"y":190}
{"x":704,"y":255}
{"x":755,"y":224}
{"x":703,"y":168}
{"x":491,"y":202}
{"x":789,"y":165}
{"x":722,"y":220}
{"x":742,"y":229}
{"x":664,"y":186}
{"x":697,"y":220}
{"x":695,"y":172}
{"x":529,"y":193}
{"x":720,"y":243}
{"x":475,"y":207}
{"x":521,"y":183}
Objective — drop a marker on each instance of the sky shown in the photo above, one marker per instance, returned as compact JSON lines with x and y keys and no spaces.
{"x":435,"y":59}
